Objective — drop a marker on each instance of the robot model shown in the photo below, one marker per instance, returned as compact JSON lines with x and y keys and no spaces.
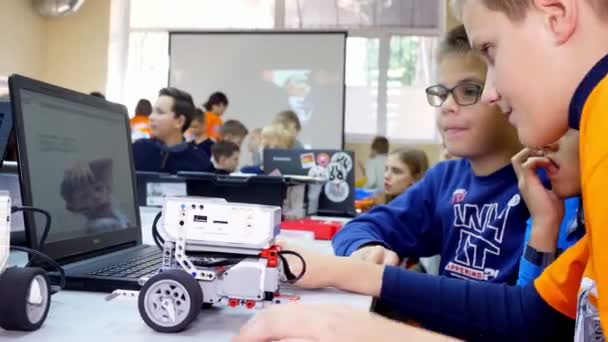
{"x":214,"y":252}
{"x":24,"y":292}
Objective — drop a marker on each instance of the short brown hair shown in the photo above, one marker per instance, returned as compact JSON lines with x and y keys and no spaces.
{"x":224,"y":149}
{"x":380,"y":145}
{"x":516,"y":9}
{"x":287,"y":117}
{"x":416,"y":161}
{"x":233,"y":128}
{"x":182,"y":104}
{"x":455,"y":41}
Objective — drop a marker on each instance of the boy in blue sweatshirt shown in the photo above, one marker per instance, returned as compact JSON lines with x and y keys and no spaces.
{"x":168,"y":151}
{"x":467,"y":210}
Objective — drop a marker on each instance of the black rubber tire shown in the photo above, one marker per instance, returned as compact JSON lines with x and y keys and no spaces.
{"x":15,"y":286}
{"x":191,"y":286}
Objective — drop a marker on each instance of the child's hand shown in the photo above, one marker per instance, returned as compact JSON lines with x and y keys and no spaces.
{"x":377,"y":255}
{"x":546,"y":209}
{"x":255,"y":140}
{"x":318,"y":266}
{"x":301,"y":322}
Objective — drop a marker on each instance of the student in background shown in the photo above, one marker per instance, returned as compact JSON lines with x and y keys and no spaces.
{"x":274,"y":136}
{"x":225,"y":157}
{"x":233,"y":131}
{"x":404,"y":167}
{"x":215,"y":107}
{"x":374,"y":167}
{"x":167,"y":151}
{"x":289,"y":119}
{"x":254,"y":146}
{"x":198,"y":133}
{"x":140,"y":123}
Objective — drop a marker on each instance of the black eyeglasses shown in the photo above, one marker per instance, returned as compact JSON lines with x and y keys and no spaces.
{"x":465,"y":94}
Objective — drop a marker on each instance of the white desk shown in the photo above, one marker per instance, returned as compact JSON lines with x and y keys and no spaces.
{"x":87,"y":317}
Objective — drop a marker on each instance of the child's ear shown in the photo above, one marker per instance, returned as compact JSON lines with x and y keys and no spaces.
{"x":561,"y":17}
{"x":180,"y":121}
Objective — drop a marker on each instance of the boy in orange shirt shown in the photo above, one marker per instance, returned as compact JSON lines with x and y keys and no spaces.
{"x":216,"y":106}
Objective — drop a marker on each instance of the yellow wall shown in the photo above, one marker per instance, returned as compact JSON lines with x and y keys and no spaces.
{"x":77,"y":48}
{"x":71,"y":51}
{"x":22,"y":39}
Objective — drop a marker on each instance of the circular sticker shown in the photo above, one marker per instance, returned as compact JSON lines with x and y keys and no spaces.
{"x":336,"y":173}
{"x":323,"y":159}
{"x":343,"y":159}
{"x":318,"y":172}
{"x":337,"y":192}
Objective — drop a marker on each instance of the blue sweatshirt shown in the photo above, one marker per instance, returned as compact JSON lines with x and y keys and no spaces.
{"x":570,"y":231}
{"x":154,"y":156}
{"x":473,"y":311}
{"x":477,"y":224}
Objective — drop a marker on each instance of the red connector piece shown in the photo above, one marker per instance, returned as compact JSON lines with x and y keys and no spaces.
{"x":272,"y":255}
{"x":250,"y":304}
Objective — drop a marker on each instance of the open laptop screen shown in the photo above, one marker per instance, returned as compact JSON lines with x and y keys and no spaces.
{"x":79,"y":169}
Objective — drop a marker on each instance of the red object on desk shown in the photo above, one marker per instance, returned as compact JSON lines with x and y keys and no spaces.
{"x":324,"y":230}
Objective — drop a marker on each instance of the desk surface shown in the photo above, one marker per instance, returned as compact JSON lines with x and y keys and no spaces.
{"x":75,"y":316}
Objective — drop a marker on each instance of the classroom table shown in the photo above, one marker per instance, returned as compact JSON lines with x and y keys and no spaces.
{"x":88,"y":317}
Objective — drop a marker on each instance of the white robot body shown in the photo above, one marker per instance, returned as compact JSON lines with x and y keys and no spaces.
{"x":214,"y":252}
{"x":213,"y":225}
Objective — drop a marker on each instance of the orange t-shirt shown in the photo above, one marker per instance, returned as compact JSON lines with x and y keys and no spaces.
{"x":214,"y":124}
{"x":576,"y":284}
{"x":140,"y":127}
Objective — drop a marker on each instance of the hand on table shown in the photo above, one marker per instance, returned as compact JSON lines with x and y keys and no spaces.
{"x":325,"y":323}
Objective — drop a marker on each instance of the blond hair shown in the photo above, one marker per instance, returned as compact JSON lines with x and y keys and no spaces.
{"x":280,"y":133}
{"x":516,"y":9}
{"x":288,"y":118}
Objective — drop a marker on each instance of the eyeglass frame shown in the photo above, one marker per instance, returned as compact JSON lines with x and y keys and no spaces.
{"x":450,"y":91}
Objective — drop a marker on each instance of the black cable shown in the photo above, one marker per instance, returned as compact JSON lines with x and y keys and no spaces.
{"x":158,"y":239}
{"x":47,"y":225}
{"x":291,"y":278}
{"x":39,"y":253}
{"x":46,"y":258}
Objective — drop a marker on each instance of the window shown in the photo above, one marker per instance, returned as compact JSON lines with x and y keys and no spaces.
{"x":410,"y":71}
{"x":361,"y":104}
{"x":360,"y":14}
{"x":202,"y":14}
{"x":389,"y":58}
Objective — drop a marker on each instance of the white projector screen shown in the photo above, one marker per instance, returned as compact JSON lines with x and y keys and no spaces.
{"x":265,"y":73}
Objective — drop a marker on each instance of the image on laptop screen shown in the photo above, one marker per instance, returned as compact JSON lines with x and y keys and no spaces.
{"x":79,"y":167}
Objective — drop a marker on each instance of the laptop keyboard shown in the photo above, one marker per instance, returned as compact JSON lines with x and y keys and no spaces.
{"x":147,"y":264}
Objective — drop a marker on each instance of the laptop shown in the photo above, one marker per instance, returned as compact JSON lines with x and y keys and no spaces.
{"x":75,"y":161}
{"x":337,"y":196}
